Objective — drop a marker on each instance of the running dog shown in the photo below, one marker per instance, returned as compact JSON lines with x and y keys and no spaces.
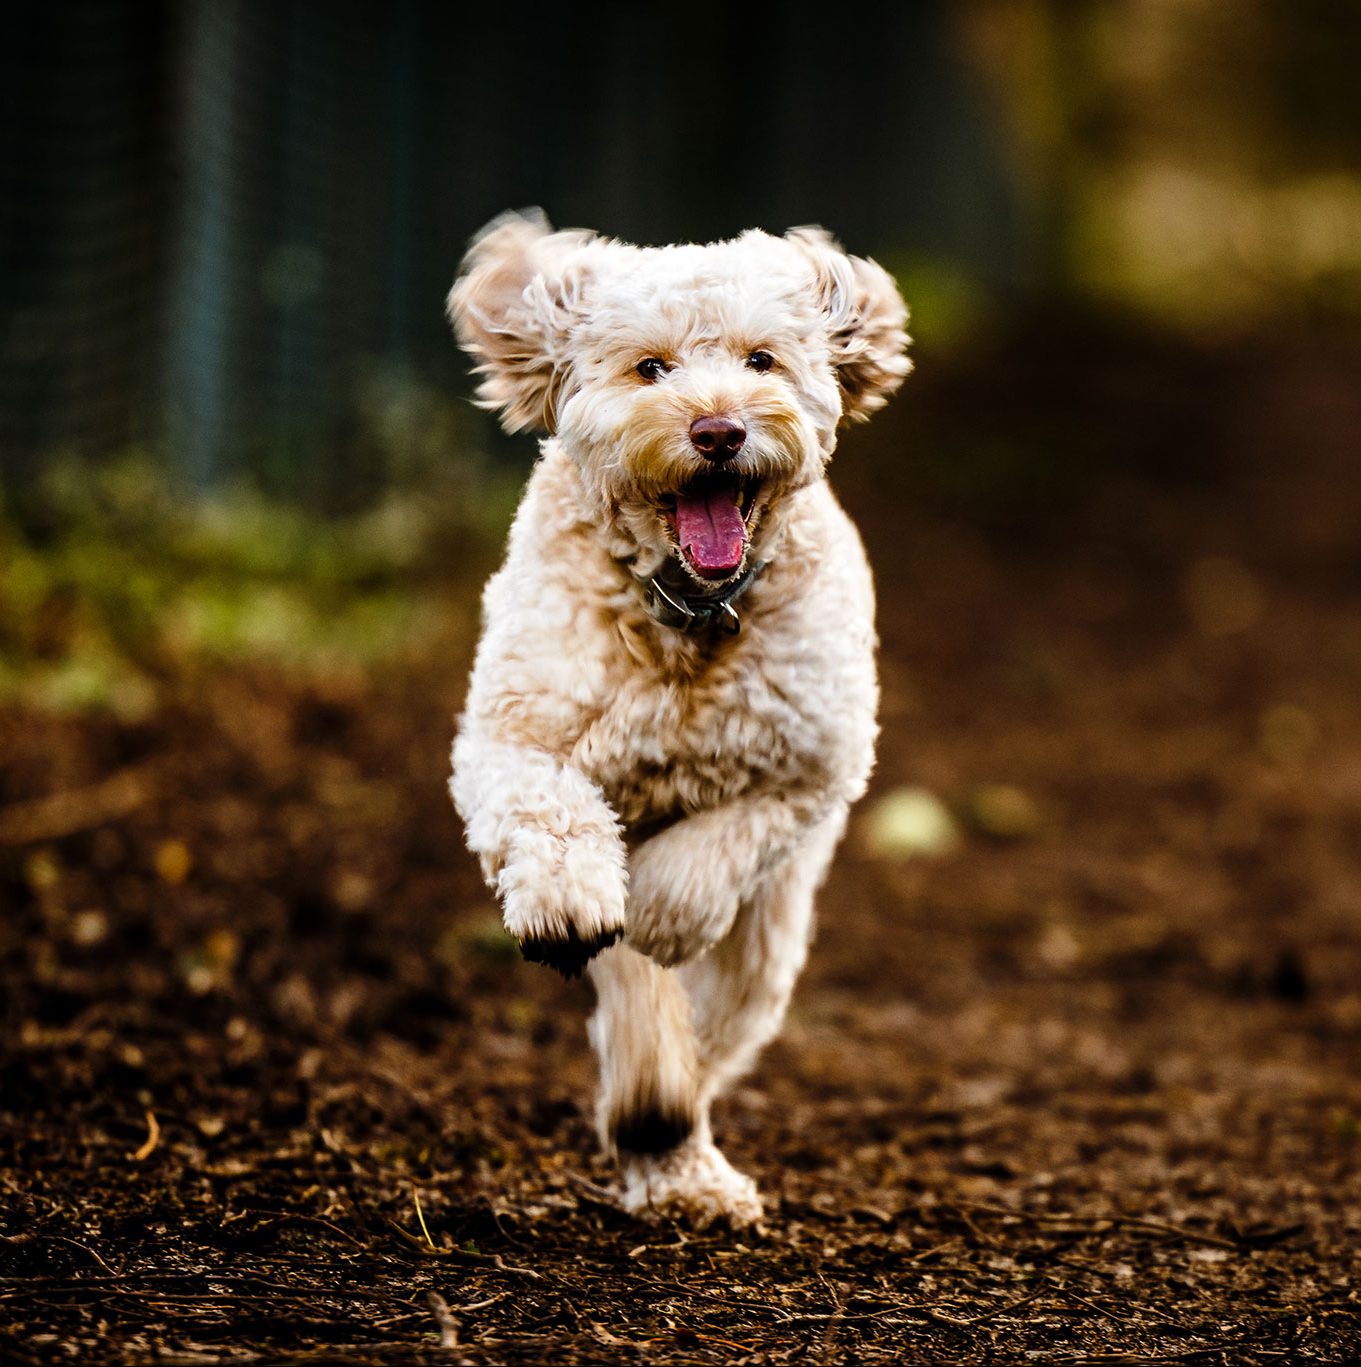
{"x":673,"y":702}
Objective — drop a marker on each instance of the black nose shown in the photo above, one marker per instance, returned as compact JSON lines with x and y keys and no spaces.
{"x":717,"y":439}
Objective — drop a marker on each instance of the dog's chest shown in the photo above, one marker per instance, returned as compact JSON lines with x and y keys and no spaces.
{"x":661,"y":747}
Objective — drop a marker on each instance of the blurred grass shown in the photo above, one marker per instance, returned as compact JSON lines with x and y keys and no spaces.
{"x":114,"y":583}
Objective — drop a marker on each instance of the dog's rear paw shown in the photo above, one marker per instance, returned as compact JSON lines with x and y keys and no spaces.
{"x":693,"y":1184}
{"x":569,"y":953}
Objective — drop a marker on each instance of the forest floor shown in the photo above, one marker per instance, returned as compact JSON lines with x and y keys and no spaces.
{"x":1084,"y":1088}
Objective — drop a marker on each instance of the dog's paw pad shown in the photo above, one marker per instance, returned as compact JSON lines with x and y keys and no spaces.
{"x":569,"y":953}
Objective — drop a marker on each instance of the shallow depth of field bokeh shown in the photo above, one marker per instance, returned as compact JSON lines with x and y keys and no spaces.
{"x":1074,"y":1069}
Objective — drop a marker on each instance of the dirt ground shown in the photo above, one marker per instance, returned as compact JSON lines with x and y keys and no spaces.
{"x":1087,"y":1089}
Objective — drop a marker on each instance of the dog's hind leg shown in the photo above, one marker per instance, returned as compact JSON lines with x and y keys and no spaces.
{"x":649,"y":1110}
{"x":643,"y":1037}
{"x":740,"y":990}
{"x":670,"y":1040}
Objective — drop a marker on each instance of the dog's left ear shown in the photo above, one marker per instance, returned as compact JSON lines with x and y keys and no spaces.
{"x":513,"y":306}
{"x":866,"y":320}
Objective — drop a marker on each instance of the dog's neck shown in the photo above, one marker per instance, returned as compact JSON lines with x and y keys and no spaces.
{"x":672,"y":599}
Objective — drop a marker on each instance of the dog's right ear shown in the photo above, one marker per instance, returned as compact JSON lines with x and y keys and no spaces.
{"x":517,"y":295}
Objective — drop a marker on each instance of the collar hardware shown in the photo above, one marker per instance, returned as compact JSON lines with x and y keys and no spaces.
{"x":673,"y":607}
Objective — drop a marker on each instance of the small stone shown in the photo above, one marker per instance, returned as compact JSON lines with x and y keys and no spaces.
{"x":42,"y":870}
{"x":909,"y":823}
{"x":352,"y":891}
{"x":89,"y":928}
{"x":1058,"y":947}
{"x":522,"y":1015}
{"x":222,"y":949}
{"x":173,"y":862}
{"x":1004,"y":812}
{"x":198,"y":977}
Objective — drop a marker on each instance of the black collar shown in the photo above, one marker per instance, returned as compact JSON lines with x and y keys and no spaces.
{"x":671,"y":599}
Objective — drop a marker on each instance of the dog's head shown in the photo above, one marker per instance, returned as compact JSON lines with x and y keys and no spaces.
{"x":696,"y":387}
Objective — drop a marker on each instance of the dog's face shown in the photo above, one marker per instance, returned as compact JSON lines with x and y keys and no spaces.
{"x":696,"y":387}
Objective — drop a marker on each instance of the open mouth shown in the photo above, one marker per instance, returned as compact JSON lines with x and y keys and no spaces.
{"x":709,"y":517}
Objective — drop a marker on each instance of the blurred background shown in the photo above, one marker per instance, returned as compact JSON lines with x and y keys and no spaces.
{"x":1129,"y":235}
{"x":228,"y":228}
{"x":1092,"y":940}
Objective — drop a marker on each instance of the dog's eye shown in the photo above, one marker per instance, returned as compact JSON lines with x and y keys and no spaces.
{"x":651,"y":369}
{"x":760,"y":360}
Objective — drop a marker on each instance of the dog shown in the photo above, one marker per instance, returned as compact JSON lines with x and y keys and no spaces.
{"x":673,"y":702}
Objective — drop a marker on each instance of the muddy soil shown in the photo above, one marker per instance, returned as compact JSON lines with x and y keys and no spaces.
{"x":1085,"y":1089}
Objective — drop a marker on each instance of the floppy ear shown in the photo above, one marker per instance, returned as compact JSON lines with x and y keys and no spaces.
{"x":517,"y":294}
{"x":866,"y":321}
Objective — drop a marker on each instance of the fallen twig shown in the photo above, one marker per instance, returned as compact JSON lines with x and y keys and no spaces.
{"x":78,"y":809}
{"x":444,"y":1317}
{"x":595,"y":1195}
{"x":461,"y":1254}
{"x":308,"y":1219}
{"x":1100,"y":1223}
{"x":153,"y":1138}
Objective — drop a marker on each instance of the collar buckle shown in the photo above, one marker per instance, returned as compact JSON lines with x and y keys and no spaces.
{"x":688,"y":615}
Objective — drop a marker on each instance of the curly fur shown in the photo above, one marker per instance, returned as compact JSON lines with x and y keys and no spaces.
{"x":617,"y":778}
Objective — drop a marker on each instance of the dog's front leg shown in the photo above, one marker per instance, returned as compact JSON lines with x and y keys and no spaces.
{"x":549,"y":845}
{"x":687,"y":883}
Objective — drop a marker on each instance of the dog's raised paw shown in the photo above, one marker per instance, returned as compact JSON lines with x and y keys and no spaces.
{"x":562,"y":897}
{"x":569,"y":953}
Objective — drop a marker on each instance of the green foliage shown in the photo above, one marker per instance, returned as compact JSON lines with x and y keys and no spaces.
{"x":949,"y":305}
{"x":113,"y":583}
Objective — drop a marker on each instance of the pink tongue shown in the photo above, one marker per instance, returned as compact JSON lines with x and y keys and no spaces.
{"x":710,"y":529}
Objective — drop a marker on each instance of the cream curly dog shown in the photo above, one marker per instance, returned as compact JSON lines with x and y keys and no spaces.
{"x":673,"y":703}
